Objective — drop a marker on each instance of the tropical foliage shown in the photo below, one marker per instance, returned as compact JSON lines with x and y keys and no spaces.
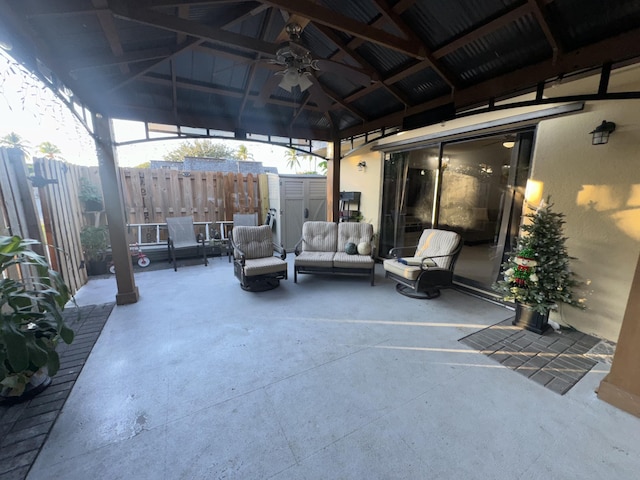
{"x":200,"y":148}
{"x":31,"y":321}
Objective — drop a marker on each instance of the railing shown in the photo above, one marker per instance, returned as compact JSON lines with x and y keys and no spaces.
{"x":152,"y":232}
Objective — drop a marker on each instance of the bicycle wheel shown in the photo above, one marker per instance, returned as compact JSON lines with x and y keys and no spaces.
{"x":143,"y":262}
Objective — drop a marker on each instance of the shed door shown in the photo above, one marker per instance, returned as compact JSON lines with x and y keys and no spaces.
{"x":292,"y":213}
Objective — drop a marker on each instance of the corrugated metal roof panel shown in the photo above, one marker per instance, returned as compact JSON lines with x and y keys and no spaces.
{"x":378,"y":102}
{"x":381,"y":58}
{"x":580,"y":22}
{"x":514,"y":46}
{"x":423,"y":86}
{"x":360,"y":11}
{"x":438,"y":21}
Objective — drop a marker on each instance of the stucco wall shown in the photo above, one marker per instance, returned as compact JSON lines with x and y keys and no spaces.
{"x":367,"y":181}
{"x":598,"y":189}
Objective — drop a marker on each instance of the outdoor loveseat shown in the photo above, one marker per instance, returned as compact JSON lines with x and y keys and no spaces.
{"x":340,"y":249}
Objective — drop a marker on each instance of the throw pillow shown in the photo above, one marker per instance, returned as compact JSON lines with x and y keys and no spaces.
{"x":364,"y":248}
{"x":350,"y":248}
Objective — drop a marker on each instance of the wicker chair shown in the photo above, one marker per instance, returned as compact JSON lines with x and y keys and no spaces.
{"x":430,"y":266}
{"x":254,"y":263}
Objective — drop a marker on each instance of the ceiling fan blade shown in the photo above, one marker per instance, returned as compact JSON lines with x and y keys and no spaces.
{"x":317,"y":95}
{"x":353,"y":74}
{"x":268,"y":87}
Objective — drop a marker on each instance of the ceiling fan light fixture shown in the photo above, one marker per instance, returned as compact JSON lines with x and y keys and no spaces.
{"x":304,"y":82}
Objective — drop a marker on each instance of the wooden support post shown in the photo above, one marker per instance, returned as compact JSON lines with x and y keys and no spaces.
{"x":621,"y":387}
{"x":333,"y":184}
{"x":114,"y":207}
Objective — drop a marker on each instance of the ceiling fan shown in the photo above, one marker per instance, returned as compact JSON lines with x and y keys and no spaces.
{"x":297,"y":61}
{"x":299,"y":64}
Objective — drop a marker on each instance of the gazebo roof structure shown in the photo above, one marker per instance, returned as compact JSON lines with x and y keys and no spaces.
{"x":366,"y":67}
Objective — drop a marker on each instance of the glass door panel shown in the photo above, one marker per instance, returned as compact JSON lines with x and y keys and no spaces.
{"x":408,"y":195}
{"x":477,"y":200}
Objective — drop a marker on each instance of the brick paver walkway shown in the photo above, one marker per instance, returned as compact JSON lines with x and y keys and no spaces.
{"x":24,"y":426}
{"x":555,"y":360}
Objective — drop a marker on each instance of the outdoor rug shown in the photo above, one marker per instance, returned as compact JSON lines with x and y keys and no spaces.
{"x":556,"y":360}
{"x":24,"y":427}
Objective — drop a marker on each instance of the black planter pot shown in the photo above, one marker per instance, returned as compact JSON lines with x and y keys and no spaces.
{"x":529,"y":319}
{"x":39,"y":382}
{"x":97,"y":267}
{"x":92,"y":206}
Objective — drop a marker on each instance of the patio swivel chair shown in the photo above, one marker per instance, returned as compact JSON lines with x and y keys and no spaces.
{"x":254,"y":263}
{"x":430,"y":266}
{"x":182,"y":237}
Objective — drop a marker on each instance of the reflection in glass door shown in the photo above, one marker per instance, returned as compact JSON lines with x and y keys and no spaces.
{"x":408,"y":197}
{"x":481,"y":198}
{"x":473,"y":187}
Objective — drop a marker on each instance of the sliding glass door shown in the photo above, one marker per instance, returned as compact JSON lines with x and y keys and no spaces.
{"x":474,"y":187}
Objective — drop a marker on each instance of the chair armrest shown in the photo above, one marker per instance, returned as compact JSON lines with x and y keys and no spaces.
{"x":280,"y":249}
{"x":238,"y":254}
{"x":298,"y":246}
{"x":396,"y":251}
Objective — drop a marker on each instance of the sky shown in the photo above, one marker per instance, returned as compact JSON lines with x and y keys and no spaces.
{"x":32,"y":111}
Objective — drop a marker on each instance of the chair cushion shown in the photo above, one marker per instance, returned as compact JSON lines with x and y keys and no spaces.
{"x":261,"y":266}
{"x":255,"y":242}
{"x":319,"y":237}
{"x":437,"y":242}
{"x":315,"y":259}
{"x":406,"y":271}
{"x":344,"y":260}
{"x":353,"y":232}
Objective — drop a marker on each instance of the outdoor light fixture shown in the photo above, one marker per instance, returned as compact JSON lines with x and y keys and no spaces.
{"x":601,"y":133}
{"x":362,"y":165}
{"x":508,"y":144}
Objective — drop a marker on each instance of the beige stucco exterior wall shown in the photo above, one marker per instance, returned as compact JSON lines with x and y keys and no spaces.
{"x":368,"y":182}
{"x":596,"y":187}
{"x":598,"y":190}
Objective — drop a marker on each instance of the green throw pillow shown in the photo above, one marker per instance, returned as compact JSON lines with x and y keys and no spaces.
{"x":350,"y":248}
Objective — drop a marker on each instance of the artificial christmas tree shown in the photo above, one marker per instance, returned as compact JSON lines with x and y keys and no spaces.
{"x":537,"y":275}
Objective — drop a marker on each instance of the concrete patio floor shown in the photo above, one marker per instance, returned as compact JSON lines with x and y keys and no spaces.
{"x":329,"y":378}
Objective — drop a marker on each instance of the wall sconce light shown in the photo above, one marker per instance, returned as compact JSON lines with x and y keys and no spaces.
{"x":601,"y":133}
{"x":362,"y":165}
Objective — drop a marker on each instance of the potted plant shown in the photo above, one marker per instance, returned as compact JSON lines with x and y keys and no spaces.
{"x":94,"y":245}
{"x":32,"y":299}
{"x":537,"y":275}
{"x":90,"y":195}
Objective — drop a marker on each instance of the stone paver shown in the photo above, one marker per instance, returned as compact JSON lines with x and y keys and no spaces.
{"x":556,"y":360}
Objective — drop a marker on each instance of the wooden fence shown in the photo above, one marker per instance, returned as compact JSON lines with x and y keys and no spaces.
{"x":150,"y":196}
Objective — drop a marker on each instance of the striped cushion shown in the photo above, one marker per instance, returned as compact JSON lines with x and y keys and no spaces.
{"x":315,"y":259}
{"x":437,"y":242}
{"x":406,"y":271}
{"x":261,"y":266}
{"x":344,"y":260}
{"x":353,"y":232}
{"x":255,"y":242}
{"x":319,"y":236}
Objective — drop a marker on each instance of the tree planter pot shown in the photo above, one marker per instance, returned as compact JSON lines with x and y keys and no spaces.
{"x":38,"y":382}
{"x":529,"y":319}
{"x":93,"y":206}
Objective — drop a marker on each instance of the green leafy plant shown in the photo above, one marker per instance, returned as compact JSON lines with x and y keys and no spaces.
{"x":94,"y":242}
{"x":538,"y":272}
{"x":31,"y":321}
{"x":89,"y":192}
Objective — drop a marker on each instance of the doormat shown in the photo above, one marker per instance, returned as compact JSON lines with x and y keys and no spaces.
{"x":555,"y":360}
{"x":24,"y":427}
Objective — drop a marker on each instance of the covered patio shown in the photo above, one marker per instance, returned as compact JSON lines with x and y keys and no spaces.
{"x":327,"y":378}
